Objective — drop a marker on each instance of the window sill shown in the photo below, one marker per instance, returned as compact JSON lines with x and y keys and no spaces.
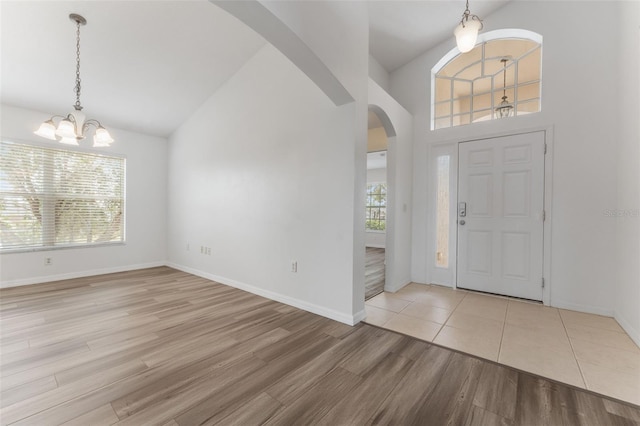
{"x":55,"y":248}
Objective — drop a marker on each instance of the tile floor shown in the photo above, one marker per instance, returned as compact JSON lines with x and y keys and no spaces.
{"x":585,"y":350}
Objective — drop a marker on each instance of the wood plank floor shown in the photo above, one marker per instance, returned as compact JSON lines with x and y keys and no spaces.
{"x":162,"y":347}
{"x":374,"y":272}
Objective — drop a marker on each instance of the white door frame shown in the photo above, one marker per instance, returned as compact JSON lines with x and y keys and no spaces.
{"x":502,"y":226}
{"x":453,"y":226}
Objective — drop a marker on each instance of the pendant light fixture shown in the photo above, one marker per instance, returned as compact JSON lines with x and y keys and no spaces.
{"x":73,"y":126}
{"x":505,"y":109}
{"x":467,"y":31}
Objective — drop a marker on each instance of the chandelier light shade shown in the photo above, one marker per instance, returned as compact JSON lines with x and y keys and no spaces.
{"x":505,"y":109}
{"x":73,"y":127}
{"x":467,"y":31}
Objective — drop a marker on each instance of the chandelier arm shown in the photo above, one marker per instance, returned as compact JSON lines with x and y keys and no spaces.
{"x":91,"y":122}
{"x":467,"y":15}
{"x":72,"y":127}
{"x":58,"y":116}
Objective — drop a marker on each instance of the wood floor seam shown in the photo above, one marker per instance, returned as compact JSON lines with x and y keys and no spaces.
{"x":165,"y":347}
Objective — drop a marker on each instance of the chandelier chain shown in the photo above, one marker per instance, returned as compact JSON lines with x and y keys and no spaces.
{"x":504,"y":79}
{"x":72,"y":127}
{"x":466,"y":16}
{"x":77,"y":106}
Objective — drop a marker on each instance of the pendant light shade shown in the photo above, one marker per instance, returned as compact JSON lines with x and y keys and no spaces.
{"x":467,"y":35}
{"x":66,"y":129}
{"x":73,"y":126}
{"x":467,"y":31}
{"x":47,"y":130}
{"x":102,"y":137}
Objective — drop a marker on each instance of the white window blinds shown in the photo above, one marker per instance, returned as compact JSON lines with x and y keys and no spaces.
{"x":59,"y":198}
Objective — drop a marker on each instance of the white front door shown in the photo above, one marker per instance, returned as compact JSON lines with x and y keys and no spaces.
{"x":500,"y":215}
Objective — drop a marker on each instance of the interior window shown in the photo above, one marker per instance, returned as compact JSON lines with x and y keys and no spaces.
{"x":499,"y":78}
{"x":59,"y":198}
{"x":376,"y":209}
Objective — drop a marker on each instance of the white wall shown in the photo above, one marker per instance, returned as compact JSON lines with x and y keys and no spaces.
{"x":145,"y":245}
{"x":378,"y":74}
{"x":262,"y":174}
{"x":627,"y":304}
{"x":338,"y":33}
{"x":376,"y":238}
{"x":578,"y":101}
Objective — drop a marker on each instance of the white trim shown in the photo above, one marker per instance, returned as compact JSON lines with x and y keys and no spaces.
{"x":546,"y":202}
{"x":632,"y":332}
{"x":297,"y":303}
{"x":32,"y":249}
{"x":49,"y":144}
{"x":583,"y":308}
{"x":548,"y":210}
{"x":358,"y":316}
{"x":376,"y":246}
{"x":484,"y":37}
{"x":488,"y":36}
{"x":548,"y":197}
{"x":396,"y":287}
{"x":80,"y":274}
{"x":438,"y":274}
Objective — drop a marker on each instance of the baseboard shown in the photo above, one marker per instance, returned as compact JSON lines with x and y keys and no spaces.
{"x":359,"y":316}
{"x":78,"y":274}
{"x":287,"y":300}
{"x":582,"y":308}
{"x":631,"y":331}
{"x":394,"y":288}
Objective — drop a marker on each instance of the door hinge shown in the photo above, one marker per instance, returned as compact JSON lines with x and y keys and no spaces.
{"x":543,"y":282}
{"x":545,"y":148}
{"x":544,"y":215}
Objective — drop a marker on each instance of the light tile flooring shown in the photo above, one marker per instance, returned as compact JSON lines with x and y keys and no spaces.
{"x":588,"y":351}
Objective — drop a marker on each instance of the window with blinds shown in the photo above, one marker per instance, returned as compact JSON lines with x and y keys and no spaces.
{"x":53,"y":198}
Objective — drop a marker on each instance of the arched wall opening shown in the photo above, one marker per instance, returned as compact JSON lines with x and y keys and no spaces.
{"x":378,"y":211}
{"x":397,"y":125}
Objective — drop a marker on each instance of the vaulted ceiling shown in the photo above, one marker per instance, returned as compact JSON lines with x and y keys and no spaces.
{"x":400,"y":30}
{"x":156,"y":62}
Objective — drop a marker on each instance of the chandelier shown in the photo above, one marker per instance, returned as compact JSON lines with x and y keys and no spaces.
{"x":505,"y":109}
{"x":72,"y":127}
{"x":467,"y":31}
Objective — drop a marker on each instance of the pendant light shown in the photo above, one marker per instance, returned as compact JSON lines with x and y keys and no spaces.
{"x":72,"y":127}
{"x":467,"y":31}
{"x":505,"y":109}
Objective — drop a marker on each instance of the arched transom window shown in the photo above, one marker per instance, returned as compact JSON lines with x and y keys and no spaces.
{"x":500,"y":71}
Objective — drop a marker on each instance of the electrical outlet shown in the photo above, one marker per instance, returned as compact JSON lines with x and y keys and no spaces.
{"x":208,"y":251}
{"x":48,"y":261}
{"x":294,"y":266}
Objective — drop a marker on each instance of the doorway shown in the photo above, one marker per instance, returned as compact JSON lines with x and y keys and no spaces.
{"x":376,"y":207}
{"x":501,"y":215}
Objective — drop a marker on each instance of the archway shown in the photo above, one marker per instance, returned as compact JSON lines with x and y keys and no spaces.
{"x":380,"y":190}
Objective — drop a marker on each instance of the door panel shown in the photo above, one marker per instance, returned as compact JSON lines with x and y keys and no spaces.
{"x":479,"y":253}
{"x":500,"y":239}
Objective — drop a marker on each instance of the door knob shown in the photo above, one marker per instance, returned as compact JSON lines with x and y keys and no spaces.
{"x":462,"y":222}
